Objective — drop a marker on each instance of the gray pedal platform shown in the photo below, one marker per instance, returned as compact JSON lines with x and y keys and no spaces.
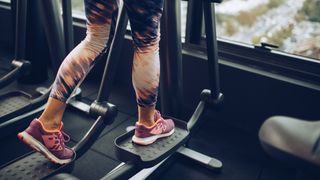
{"x":147,"y":156}
{"x":13,"y":101}
{"x":30,"y":166}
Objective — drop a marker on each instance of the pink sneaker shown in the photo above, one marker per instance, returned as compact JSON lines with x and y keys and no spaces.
{"x":49,"y":143}
{"x":147,"y":135}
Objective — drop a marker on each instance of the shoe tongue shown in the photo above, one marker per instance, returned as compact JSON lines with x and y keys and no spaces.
{"x":157,"y":116}
{"x":61,"y":126}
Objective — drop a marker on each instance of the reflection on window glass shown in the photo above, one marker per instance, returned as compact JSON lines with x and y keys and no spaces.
{"x":77,"y":7}
{"x":8,"y":1}
{"x":293,"y":25}
{"x":184,"y":8}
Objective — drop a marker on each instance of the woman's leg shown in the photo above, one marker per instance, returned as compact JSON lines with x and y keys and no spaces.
{"x":45,"y":134}
{"x":144,"y":16}
{"x":80,"y":60}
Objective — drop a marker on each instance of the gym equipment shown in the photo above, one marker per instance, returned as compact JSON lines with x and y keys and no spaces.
{"x":294,"y":141}
{"x":20,"y":65}
{"x":17,"y":108}
{"x":34,"y":165}
{"x":136,"y":157}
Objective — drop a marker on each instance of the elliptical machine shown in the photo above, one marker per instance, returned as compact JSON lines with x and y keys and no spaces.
{"x":19,"y":64}
{"x":136,"y":158}
{"x":17,"y":108}
{"x":142,"y":161}
{"x":34,"y":165}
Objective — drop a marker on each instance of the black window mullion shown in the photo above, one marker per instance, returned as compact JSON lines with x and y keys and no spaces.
{"x":194,"y":22}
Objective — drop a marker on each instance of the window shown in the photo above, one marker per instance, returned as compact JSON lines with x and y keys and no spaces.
{"x":292,"y":25}
{"x":184,"y":9}
{"x":77,"y":8}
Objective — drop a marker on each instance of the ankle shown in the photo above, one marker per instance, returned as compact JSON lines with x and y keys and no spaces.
{"x":147,"y":123}
{"x":50,"y":124}
{"x":146,"y":115}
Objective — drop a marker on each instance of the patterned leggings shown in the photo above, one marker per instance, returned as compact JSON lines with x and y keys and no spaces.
{"x":144,"y":17}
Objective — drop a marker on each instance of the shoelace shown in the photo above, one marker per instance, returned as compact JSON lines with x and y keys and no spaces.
{"x":157,"y":115}
{"x":161,"y":126}
{"x":61,"y":138}
{"x":66,"y":138}
{"x":65,"y":135}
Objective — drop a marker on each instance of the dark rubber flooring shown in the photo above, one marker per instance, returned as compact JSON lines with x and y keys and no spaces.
{"x":240,"y":152}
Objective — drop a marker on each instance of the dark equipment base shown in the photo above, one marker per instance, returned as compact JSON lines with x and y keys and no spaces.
{"x":30,"y":166}
{"x":147,"y":156}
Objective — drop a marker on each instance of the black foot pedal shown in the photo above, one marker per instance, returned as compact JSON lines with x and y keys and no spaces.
{"x":147,"y":156}
{"x":29,"y":166}
{"x":13,"y":101}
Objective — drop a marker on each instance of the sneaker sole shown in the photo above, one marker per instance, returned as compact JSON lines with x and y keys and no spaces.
{"x":39,"y":147}
{"x":151,"y":139}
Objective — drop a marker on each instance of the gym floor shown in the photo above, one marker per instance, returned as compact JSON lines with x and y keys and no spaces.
{"x":240,"y":152}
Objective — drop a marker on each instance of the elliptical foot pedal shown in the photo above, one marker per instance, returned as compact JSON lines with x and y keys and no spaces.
{"x":13,"y":101}
{"x":30,"y":166}
{"x":150,"y":155}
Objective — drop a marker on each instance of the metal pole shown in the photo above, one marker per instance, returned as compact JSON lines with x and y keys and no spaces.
{"x":67,"y":24}
{"x":212,"y":49}
{"x":113,"y":57}
{"x":194,"y":22}
{"x":21,"y":24}
{"x":171,"y":60}
{"x":54,"y":31}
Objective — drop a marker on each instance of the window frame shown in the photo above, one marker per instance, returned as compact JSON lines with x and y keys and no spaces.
{"x":5,"y":4}
{"x":260,"y":57}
